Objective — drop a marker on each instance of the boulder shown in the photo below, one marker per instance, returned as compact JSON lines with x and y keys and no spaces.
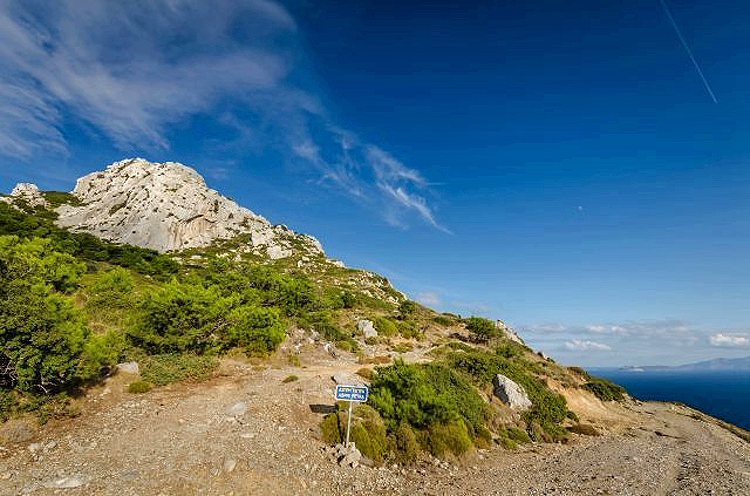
{"x":27,"y":192}
{"x":128,"y":368}
{"x":510,"y":393}
{"x":367,"y":328}
{"x":348,"y":456}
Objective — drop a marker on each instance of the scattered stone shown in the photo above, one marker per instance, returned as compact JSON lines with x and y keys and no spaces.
{"x":511,"y":393}
{"x":128,"y":368}
{"x":367,"y":328}
{"x":229,"y":465}
{"x":237,"y":410}
{"x":348,"y":456}
{"x":69,"y":482}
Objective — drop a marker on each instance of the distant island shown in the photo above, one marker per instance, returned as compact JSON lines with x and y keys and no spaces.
{"x":717,"y":364}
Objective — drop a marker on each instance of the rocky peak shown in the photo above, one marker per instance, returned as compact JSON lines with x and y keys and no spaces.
{"x":167,"y":206}
{"x":28,"y":193}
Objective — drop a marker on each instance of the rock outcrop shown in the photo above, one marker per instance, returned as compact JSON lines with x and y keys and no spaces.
{"x":164,"y":206}
{"x":28,"y":193}
{"x":511,"y":393}
{"x":367,"y":328}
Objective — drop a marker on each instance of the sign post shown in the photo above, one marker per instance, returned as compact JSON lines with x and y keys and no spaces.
{"x":351,"y":394}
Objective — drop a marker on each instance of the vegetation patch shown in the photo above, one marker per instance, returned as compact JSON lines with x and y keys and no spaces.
{"x":165,"y":369}
{"x":139,"y":387}
{"x":604,"y":389}
{"x":290,"y":378}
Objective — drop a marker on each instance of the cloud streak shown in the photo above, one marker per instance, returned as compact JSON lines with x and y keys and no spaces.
{"x":129,"y":71}
{"x":729,"y":340}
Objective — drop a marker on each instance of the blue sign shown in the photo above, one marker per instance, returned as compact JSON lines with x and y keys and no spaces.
{"x":352,"y":393}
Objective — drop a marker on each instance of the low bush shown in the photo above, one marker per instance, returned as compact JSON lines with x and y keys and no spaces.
{"x":385,"y":326}
{"x":405,"y":444}
{"x":367,"y":431}
{"x":482,"y":329}
{"x":139,"y":387}
{"x":443,"y":320}
{"x":452,"y":437}
{"x":604,"y":389}
{"x":168,"y":368}
{"x":290,"y":378}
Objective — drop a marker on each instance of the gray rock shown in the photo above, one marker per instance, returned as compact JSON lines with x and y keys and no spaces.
{"x":229,"y":465}
{"x":237,"y":410}
{"x":508,"y":332}
{"x":27,"y":192}
{"x":167,"y":206}
{"x":128,"y":368}
{"x":367,"y":328}
{"x":68,"y":482}
{"x":511,"y":393}
{"x":348,"y":456}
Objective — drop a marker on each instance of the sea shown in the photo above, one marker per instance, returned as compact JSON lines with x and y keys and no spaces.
{"x":722,"y":394}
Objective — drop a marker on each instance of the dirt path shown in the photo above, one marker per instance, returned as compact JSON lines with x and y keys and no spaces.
{"x":246,"y":432}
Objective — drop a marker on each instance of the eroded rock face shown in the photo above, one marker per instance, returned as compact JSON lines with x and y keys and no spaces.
{"x":511,"y":393}
{"x":27,"y":192}
{"x":167,"y":206}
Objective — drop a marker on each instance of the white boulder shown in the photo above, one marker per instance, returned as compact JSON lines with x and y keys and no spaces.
{"x":511,"y":393}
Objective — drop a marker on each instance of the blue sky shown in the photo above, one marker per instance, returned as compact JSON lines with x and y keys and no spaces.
{"x":559,"y":165}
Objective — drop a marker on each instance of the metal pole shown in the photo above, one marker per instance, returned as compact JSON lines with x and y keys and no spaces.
{"x":348,"y":423}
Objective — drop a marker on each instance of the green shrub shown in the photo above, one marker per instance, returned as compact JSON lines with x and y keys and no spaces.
{"x":8,"y":404}
{"x":482,"y":329}
{"x":425,"y":395}
{"x":178,"y":318}
{"x":452,"y":437}
{"x":290,"y":378}
{"x":348,"y":300}
{"x":139,"y":387}
{"x":409,"y":329}
{"x":167,"y":368}
{"x":385,"y":326}
{"x":407,"y":308}
{"x":548,"y":408}
{"x":443,"y":320}
{"x":518,"y":435}
{"x":406,"y":445}
{"x":57,"y":198}
{"x":402,"y":347}
{"x":580,"y":371}
{"x":604,"y":389}
{"x":256,"y":329}
{"x":330,"y":429}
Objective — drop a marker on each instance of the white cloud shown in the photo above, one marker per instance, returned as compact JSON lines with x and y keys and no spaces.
{"x":429,"y":298}
{"x":729,"y":340}
{"x":586,"y":345}
{"x":130,"y":70}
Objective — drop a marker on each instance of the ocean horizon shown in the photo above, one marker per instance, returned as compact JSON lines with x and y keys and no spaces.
{"x":721,"y":394}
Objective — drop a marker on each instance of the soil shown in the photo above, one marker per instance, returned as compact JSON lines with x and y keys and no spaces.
{"x":247,"y":432}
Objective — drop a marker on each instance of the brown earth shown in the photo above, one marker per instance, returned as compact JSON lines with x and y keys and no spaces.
{"x":183,"y":439}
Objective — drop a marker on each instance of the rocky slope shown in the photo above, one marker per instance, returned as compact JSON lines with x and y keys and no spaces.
{"x":248,"y":432}
{"x":164,"y":206}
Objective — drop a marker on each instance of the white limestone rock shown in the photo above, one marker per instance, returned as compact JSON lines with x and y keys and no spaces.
{"x":27,"y":192}
{"x":167,"y":206}
{"x":367,"y":328}
{"x":512,"y":394}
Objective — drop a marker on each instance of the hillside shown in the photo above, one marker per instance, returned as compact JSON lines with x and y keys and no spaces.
{"x":200,"y":358}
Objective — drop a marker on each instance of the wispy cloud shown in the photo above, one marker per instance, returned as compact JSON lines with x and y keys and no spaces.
{"x":729,"y":340}
{"x":429,"y":298}
{"x":130,"y":70}
{"x":586,"y":345}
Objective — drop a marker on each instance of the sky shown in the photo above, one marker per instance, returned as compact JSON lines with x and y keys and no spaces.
{"x":578,"y":169}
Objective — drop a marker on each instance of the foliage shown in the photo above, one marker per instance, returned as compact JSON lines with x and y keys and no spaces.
{"x":443,"y":320}
{"x":290,"y":378}
{"x":604,"y":389}
{"x":385,"y":326}
{"x":164,"y":369}
{"x":482,"y":329}
{"x":367,"y":431}
{"x":407,"y":308}
{"x":42,"y":334}
{"x":139,"y":387}
{"x":452,"y":437}
{"x":548,"y":408}
{"x":405,"y":444}
{"x":58,"y":198}
{"x":424,"y":396}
